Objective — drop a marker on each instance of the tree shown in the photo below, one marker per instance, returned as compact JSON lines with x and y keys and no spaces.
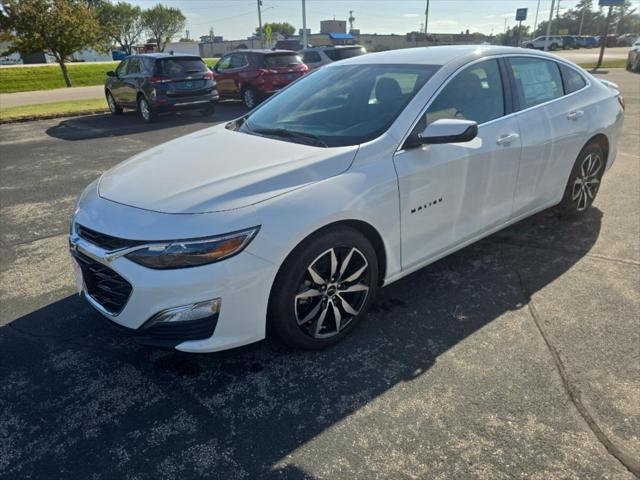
{"x":163,"y":23}
{"x":56,"y":27}
{"x":284,"y":28}
{"x":122,"y":24}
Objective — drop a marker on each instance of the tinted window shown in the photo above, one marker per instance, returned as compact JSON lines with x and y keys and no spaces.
{"x":474,"y":94}
{"x":342,"y":53}
{"x":311,"y":57}
{"x":134,"y":66}
{"x":122,"y":68}
{"x":282,"y":60}
{"x":237,"y":60}
{"x":537,"y":80}
{"x":573,"y":81}
{"x":180,"y":67}
{"x":343,"y":105}
{"x":224,"y":63}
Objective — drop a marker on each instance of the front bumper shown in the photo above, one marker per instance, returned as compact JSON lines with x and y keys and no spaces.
{"x":233,"y":280}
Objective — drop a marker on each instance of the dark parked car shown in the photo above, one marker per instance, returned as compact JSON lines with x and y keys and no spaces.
{"x":159,"y":82}
{"x":569,"y":42}
{"x":252,"y":75}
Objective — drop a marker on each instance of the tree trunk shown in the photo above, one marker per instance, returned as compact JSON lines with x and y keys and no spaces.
{"x":65,"y":73}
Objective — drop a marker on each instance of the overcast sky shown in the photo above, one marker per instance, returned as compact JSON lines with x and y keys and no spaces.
{"x":236,"y":19}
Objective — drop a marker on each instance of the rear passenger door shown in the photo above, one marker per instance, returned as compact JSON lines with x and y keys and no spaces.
{"x":551,"y":103}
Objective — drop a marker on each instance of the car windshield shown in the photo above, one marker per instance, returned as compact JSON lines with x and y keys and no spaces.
{"x":279,"y":60}
{"x":342,"y":53}
{"x":340,"y":105}
{"x":180,"y":67}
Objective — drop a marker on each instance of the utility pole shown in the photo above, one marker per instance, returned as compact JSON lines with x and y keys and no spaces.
{"x":304,"y":24}
{"x":351,"y":20}
{"x":426,"y":18}
{"x":546,"y":39}
{"x":535,"y":22}
{"x":260,"y":23}
{"x":505,"y":25}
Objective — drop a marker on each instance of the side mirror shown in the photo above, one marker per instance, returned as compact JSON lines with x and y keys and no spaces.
{"x":449,"y":131}
{"x":444,"y":131}
{"x":111,"y":73}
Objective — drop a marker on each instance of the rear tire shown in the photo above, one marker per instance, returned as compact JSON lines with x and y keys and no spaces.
{"x":323,"y":289}
{"x":553,"y":47}
{"x":209,"y":111}
{"x":584,"y":182}
{"x":249,"y":98}
{"x":113,"y":106}
{"x":144,"y":109}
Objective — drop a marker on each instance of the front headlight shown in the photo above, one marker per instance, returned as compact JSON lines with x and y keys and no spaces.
{"x":192,"y":253}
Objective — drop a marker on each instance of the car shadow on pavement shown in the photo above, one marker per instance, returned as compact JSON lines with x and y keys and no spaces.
{"x":107,"y":125}
{"x":82,"y":399}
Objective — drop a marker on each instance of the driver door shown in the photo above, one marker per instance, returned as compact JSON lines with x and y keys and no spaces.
{"x":225,"y":82}
{"x":452,"y":193}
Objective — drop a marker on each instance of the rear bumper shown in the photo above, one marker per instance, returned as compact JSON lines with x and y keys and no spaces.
{"x":165,"y":103}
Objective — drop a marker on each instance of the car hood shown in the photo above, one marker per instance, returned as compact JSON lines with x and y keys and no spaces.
{"x":219,"y":169}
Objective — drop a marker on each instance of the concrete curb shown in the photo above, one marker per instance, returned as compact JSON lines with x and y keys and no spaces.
{"x":73,"y":113}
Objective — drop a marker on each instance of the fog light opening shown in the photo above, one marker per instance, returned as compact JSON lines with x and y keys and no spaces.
{"x":185,"y":313}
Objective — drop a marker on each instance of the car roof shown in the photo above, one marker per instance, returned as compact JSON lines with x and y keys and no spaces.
{"x":164,"y":55}
{"x":264,"y":51}
{"x":442,"y":55}
{"x":318,"y":47}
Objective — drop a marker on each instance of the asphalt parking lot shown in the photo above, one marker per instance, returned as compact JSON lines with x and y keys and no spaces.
{"x":518,"y":357}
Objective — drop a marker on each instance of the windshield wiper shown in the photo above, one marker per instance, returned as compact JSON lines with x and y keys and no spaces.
{"x":308,"y":138}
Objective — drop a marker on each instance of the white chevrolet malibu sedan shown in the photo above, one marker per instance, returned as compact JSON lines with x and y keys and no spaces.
{"x":290,"y":217}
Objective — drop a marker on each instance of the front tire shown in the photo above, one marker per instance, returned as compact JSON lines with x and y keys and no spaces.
{"x":323,"y":289}
{"x":144,"y":109}
{"x":584,"y":182}
{"x":113,"y":106}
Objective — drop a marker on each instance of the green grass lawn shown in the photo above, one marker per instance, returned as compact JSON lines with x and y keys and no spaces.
{"x":618,"y":63}
{"x":47,"y":77}
{"x":74,"y":107}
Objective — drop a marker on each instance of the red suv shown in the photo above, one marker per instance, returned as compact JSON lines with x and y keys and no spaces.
{"x":252,"y":75}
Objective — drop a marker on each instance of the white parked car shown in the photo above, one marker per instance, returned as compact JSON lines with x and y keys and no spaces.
{"x":349,"y":179}
{"x":554,"y":43}
{"x":314,"y":57}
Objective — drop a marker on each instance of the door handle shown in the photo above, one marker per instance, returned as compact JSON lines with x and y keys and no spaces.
{"x":507,"y":139}
{"x":575,"y":115}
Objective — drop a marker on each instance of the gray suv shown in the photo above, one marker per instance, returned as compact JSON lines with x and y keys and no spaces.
{"x":315,"y":57}
{"x":160,"y":82}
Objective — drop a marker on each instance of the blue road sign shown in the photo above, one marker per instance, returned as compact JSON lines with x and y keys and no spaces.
{"x":521,"y":14}
{"x":611,"y":3}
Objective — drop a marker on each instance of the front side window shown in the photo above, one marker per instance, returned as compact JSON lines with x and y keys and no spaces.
{"x":572,"y":80}
{"x":134,"y":66}
{"x":342,"y":105}
{"x":223,"y":64}
{"x":537,"y":81}
{"x":122,"y":68}
{"x":474,"y":94}
{"x":237,"y":61}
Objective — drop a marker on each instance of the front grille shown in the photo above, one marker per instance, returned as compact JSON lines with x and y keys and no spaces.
{"x":104,"y":285}
{"x":104,"y":241}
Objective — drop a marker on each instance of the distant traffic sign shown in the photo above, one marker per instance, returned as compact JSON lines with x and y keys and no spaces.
{"x":611,"y":3}
{"x":521,"y":14}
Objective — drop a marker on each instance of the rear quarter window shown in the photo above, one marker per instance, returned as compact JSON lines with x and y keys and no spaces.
{"x":572,"y":80}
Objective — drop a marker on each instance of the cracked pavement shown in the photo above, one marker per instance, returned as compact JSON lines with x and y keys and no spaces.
{"x":517,"y":357}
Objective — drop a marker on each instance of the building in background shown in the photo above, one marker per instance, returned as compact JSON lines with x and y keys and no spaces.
{"x":333,"y":26}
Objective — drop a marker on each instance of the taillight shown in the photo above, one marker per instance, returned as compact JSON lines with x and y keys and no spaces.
{"x":208,"y":76}
{"x":263,"y":71}
{"x":159,"y":79}
{"x":621,"y":101}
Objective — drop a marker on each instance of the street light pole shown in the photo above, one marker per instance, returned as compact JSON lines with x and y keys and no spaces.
{"x":260,"y":24}
{"x":535,"y":22}
{"x":426,"y":18}
{"x":304,"y":24}
{"x":546,"y":39}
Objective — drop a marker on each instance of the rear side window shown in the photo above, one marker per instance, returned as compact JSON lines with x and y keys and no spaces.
{"x":475,"y":94}
{"x":180,"y":67}
{"x":342,"y":53}
{"x":537,"y":81}
{"x":572,"y":80}
{"x":282,"y":60}
{"x":311,"y":57}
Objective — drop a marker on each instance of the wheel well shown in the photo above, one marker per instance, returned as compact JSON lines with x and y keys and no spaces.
{"x":603,"y":141}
